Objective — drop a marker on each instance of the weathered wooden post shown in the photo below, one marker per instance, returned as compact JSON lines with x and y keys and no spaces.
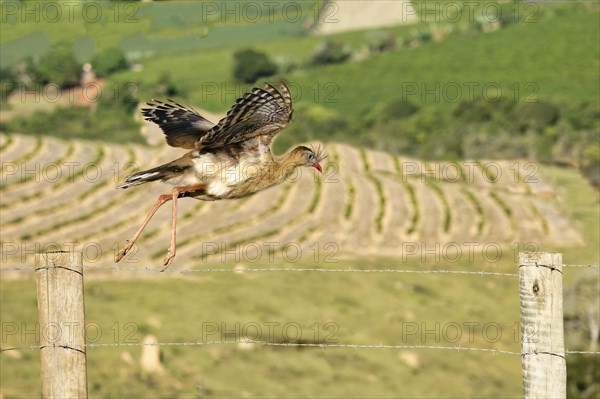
{"x":543,"y":362}
{"x":59,"y":280}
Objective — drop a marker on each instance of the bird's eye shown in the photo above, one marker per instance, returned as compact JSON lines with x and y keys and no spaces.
{"x":311,"y":157}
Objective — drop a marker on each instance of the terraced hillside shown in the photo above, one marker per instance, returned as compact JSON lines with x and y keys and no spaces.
{"x":59,"y":193}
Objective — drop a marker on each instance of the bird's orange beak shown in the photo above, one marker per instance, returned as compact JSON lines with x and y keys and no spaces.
{"x":318,"y":167}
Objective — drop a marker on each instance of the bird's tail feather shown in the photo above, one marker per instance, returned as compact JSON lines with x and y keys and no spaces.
{"x":159,"y":173}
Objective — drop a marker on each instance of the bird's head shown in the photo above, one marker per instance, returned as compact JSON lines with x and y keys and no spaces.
{"x":311,"y":157}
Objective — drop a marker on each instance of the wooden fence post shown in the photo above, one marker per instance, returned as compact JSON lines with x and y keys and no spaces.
{"x":59,"y":280}
{"x":543,"y":362}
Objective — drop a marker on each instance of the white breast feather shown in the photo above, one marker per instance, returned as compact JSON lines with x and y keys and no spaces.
{"x":224,"y":175}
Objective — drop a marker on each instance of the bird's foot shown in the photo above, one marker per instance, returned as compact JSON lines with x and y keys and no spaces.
{"x":126,"y":248}
{"x":168,"y":259}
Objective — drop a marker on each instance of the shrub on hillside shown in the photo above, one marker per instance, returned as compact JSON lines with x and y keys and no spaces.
{"x":488,"y":142}
{"x":380,"y":41}
{"x":331,"y":52}
{"x":109,"y":61}
{"x":8,"y":83}
{"x":385,"y":112}
{"x":590,"y":163}
{"x":419,"y":36}
{"x":250,"y":65}
{"x":482,"y":110}
{"x":399,"y":109}
{"x":166,"y":87}
{"x":582,"y":115}
{"x":59,"y":66}
{"x":313,"y":122}
{"x":537,"y":115}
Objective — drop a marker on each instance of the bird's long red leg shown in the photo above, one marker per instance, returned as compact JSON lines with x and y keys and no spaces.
{"x":175,"y":195}
{"x":161,"y":200}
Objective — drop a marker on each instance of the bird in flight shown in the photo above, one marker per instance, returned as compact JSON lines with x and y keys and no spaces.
{"x":231,"y":159}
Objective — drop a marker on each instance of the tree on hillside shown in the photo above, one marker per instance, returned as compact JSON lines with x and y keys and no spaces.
{"x":251,"y":65}
{"x":59,"y":66}
{"x":109,"y":61}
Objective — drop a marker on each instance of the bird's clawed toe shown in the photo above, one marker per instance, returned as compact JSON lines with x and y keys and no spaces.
{"x":123,"y":252}
{"x":168,"y":260}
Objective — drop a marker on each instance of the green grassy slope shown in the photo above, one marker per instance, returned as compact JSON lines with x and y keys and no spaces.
{"x":559,"y":55}
{"x":367,"y":309}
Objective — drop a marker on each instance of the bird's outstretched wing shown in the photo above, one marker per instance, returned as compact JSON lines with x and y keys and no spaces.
{"x":262,"y":112}
{"x":183,"y":127}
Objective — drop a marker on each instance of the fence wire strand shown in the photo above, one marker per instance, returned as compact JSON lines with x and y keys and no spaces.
{"x":277,"y":269}
{"x":593,"y":265}
{"x":296,"y":345}
{"x":291,"y":269}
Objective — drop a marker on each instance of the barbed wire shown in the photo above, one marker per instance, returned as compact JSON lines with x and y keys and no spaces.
{"x":582,"y":265}
{"x":242,"y":269}
{"x":274,"y":269}
{"x":293,"y":345}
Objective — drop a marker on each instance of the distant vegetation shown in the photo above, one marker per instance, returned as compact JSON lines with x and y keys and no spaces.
{"x":250,"y":65}
{"x":110,"y":119}
{"x":331,"y":52}
{"x":109,"y":61}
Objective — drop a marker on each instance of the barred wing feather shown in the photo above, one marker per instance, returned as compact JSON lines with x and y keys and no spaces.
{"x":182,"y":126}
{"x":262,"y":112}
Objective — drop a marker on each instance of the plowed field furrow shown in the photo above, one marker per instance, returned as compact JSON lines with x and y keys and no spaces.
{"x":294,"y":229}
{"x":396,"y":218}
{"x":83,"y":190}
{"x":6,"y":141}
{"x":508,"y":177}
{"x":62,"y":172}
{"x":559,"y":227}
{"x":365,"y":201}
{"x":46,"y":175}
{"x":465,"y":219}
{"x":365,"y":206}
{"x":408,"y":168}
{"x":381,"y":162}
{"x":82,"y":211}
{"x":396,"y":225}
{"x":20,"y":147}
{"x":431,"y":224}
{"x":348,"y":209}
{"x":474,"y":174}
{"x":528,"y":223}
{"x":332,"y":197}
{"x":30,"y":158}
{"x":498,"y":225}
{"x":529,"y":175}
{"x":36,"y":176}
